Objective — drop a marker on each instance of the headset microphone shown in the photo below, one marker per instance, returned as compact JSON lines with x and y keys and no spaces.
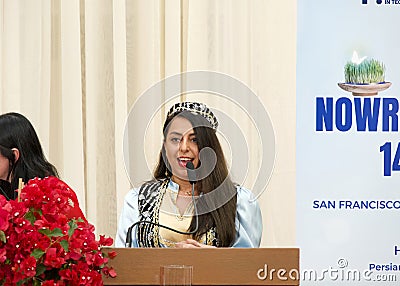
{"x":191,"y":173}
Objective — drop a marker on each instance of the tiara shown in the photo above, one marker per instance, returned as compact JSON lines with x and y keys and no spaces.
{"x":196,"y":108}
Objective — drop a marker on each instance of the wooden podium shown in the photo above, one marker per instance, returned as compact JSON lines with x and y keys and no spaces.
{"x":220,"y":266}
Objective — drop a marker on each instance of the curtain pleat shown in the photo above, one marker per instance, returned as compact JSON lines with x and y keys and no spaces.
{"x":76,"y":68}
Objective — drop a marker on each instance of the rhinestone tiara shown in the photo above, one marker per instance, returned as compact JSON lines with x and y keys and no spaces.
{"x":197,"y":108}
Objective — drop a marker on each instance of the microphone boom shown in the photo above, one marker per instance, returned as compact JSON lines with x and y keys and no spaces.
{"x":192,"y":179}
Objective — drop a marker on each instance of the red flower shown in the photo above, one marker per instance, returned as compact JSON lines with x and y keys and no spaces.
{"x":106,"y":241}
{"x":109,"y":272}
{"x":112,"y":254}
{"x":4,"y":217}
{"x":51,"y":258}
{"x":28,"y":266}
{"x":3,"y":256}
{"x":45,"y":237}
{"x":52,"y":283}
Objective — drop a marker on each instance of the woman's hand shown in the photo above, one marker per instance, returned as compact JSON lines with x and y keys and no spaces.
{"x":191,"y":243}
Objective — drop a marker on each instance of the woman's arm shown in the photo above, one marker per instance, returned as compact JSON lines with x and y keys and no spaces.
{"x":248,"y":220}
{"x":129,"y":215}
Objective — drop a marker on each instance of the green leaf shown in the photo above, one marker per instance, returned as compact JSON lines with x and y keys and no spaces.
{"x":45,"y":231}
{"x":3,"y":236}
{"x":64,"y":244}
{"x":40,"y":269}
{"x":30,"y":216}
{"x":51,"y":233}
{"x":37,"y":253}
{"x":56,"y":232}
{"x":72,"y":226}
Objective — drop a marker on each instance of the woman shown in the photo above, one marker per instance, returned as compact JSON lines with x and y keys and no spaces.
{"x":223,"y":215}
{"x":21,"y":156}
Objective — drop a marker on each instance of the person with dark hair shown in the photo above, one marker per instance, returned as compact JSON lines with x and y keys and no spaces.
{"x":173,"y":211}
{"x":22,"y":157}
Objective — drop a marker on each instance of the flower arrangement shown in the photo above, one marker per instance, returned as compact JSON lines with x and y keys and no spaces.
{"x":364,"y":71}
{"x":42,"y":242}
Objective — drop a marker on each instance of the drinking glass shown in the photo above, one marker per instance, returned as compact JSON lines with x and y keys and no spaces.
{"x":174,"y":275}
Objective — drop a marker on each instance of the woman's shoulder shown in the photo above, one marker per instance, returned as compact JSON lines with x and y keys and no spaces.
{"x":244,"y":193}
{"x":248,"y":219}
{"x":147,"y":186}
{"x":246,"y":200}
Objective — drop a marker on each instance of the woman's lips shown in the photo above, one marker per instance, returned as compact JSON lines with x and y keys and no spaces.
{"x":183,"y":161}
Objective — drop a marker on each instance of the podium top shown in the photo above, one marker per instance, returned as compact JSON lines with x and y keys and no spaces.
{"x":216,"y":266}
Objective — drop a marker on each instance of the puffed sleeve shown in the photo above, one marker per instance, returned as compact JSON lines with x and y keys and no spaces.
{"x":248,"y":220}
{"x":129,"y":215}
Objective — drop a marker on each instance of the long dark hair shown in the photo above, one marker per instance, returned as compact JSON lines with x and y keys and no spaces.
{"x":220,"y":217}
{"x":17,"y":132}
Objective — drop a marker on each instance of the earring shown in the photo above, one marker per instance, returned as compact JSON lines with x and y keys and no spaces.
{"x":167,"y":169}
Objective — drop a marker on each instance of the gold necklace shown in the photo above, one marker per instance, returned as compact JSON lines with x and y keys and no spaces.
{"x":187,"y":193}
{"x":178,"y":215}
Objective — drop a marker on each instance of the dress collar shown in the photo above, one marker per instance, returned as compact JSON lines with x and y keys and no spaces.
{"x":174,"y":187}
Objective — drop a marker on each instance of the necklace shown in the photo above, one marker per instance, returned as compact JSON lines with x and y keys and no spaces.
{"x":179,"y":216}
{"x":188,"y":207}
{"x":187,"y":193}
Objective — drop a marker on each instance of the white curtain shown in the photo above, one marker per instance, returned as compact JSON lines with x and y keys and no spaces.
{"x":75,"y":68}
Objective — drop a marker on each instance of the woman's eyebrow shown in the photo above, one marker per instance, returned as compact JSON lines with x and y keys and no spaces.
{"x":175,"y":133}
{"x":180,"y":134}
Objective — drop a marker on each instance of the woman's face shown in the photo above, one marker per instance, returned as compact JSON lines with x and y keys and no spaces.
{"x":4,"y":167}
{"x":181,"y":147}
